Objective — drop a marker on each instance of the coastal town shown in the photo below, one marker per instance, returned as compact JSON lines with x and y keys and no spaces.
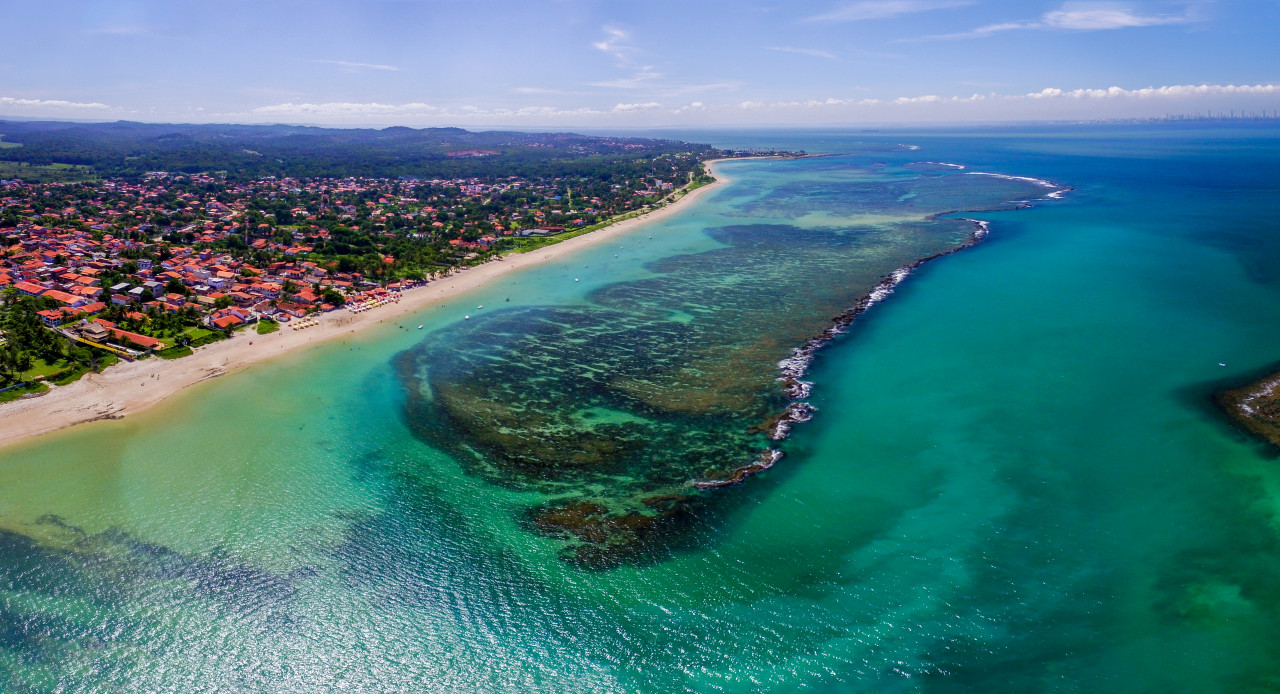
{"x":95,"y":272}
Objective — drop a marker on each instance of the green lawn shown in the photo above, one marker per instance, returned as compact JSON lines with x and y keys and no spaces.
{"x":11,"y":395}
{"x":63,"y":372}
{"x":70,"y":375}
{"x":42,"y":369}
{"x":73,"y":374}
{"x":266,"y":327}
{"x":207,"y":337}
{"x":175,"y":352}
{"x":46,"y":173}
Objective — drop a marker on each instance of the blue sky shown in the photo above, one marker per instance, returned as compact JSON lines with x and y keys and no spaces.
{"x":621,"y":64}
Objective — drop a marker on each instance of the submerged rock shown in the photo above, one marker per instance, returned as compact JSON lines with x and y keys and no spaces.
{"x":1255,"y":407}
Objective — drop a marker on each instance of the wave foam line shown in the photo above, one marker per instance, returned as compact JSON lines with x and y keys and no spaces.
{"x":1267,"y":390}
{"x":1058,"y":191}
{"x":793,"y":368}
{"x":797,"y":365}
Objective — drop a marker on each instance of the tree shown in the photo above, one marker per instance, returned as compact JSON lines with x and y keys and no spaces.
{"x":8,"y":362}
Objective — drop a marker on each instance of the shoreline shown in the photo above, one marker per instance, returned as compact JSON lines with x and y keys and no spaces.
{"x":130,"y":388}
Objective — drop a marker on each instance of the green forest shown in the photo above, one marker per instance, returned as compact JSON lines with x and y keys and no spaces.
{"x":244,"y":152}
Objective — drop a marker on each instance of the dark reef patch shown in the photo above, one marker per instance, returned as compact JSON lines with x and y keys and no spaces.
{"x":667,"y":387}
{"x":1255,"y":407}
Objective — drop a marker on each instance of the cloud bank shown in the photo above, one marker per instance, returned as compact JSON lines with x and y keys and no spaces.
{"x":1049,"y":103}
{"x":52,"y":107}
{"x":882,"y":9}
{"x":1082,"y":16}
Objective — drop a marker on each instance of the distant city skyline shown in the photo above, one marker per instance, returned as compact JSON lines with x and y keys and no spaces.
{"x":574,"y":63}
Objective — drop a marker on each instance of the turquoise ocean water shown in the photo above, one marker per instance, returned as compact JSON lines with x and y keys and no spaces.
{"x":1015,"y":480}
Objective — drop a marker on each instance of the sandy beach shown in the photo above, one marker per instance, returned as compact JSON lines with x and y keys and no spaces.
{"x":128,"y":388}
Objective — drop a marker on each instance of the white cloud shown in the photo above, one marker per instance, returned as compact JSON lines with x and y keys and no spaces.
{"x":1172,"y":91}
{"x":820,"y":103}
{"x":11,"y":104}
{"x":881,"y":9}
{"x":617,"y":43}
{"x":984,"y":31}
{"x":645,"y":77}
{"x":803,"y":51}
{"x":1169,"y":93}
{"x":1094,"y":16}
{"x":695,"y":106}
{"x":641,"y":79}
{"x":934,"y":99}
{"x":1050,"y":103}
{"x":359,"y":66}
{"x":1082,"y":16}
{"x":637,"y":107}
{"x":345,"y":109}
{"x":537,"y":90}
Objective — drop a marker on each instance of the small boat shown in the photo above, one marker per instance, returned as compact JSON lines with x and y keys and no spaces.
{"x":480,"y":306}
{"x":466,"y":318}
{"x":419,"y":327}
{"x":575,"y":279}
{"x":1221,"y":364}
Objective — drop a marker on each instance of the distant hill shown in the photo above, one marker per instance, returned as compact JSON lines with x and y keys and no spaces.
{"x":128,"y":149}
